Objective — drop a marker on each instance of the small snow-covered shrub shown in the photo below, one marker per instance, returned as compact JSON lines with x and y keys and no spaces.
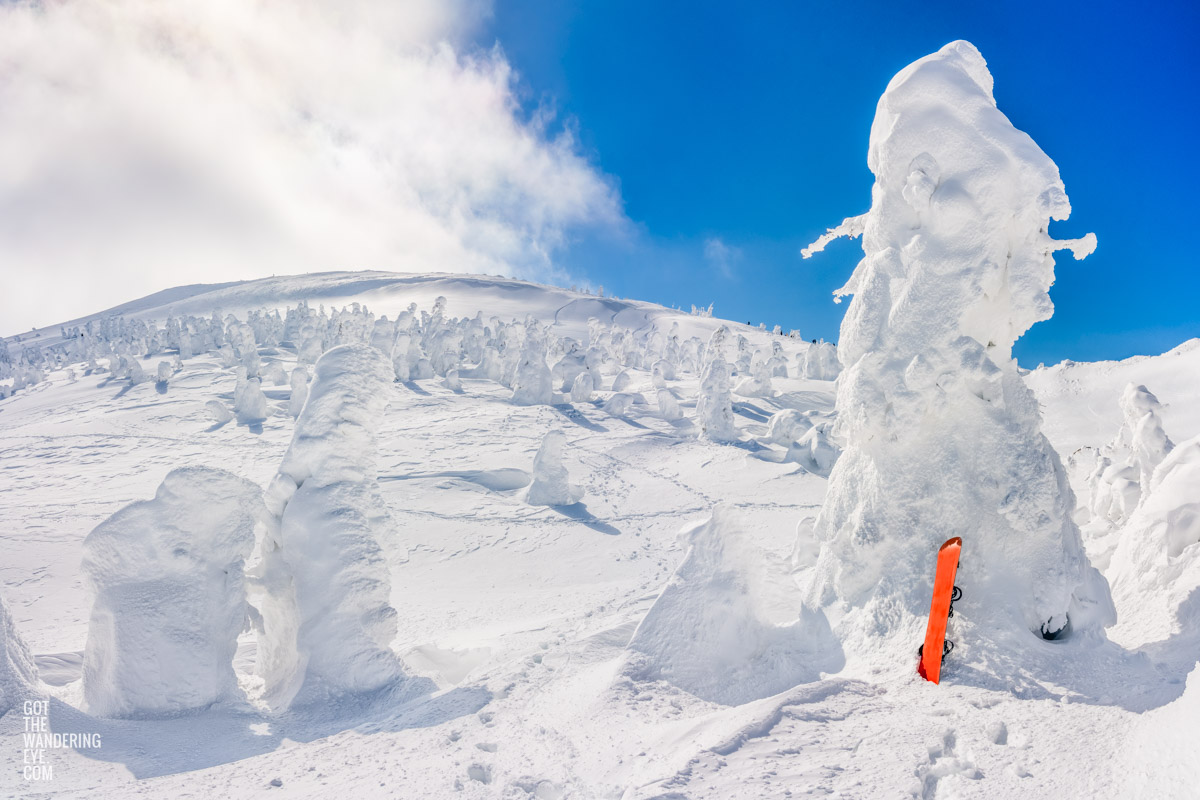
{"x":218,"y":411}
{"x":250,"y":404}
{"x":668,"y":406}
{"x":787,"y":426}
{"x":550,"y":486}
{"x":581,"y":388}
{"x":299,"y":391}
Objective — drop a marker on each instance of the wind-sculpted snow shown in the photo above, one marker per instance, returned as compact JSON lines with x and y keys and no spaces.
{"x":169,"y":597}
{"x":710,"y":631}
{"x":18,"y":673}
{"x":942,"y":436}
{"x":323,"y":582}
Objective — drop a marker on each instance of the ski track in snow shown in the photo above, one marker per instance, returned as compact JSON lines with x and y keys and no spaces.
{"x":521,"y":614}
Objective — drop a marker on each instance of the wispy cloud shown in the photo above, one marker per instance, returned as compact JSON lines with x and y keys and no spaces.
{"x":149,"y":143}
{"x":723,"y":257}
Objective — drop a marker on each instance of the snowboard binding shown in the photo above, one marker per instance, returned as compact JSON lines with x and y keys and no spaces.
{"x":947,"y":645}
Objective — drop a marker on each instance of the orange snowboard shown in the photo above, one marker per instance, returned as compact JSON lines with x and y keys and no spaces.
{"x":930,"y":667}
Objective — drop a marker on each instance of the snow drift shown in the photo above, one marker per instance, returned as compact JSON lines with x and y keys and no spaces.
{"x":942,"y":436}
{"x":169,"y":595}
{"x":711,"y":631}
{"x":324,"y":583}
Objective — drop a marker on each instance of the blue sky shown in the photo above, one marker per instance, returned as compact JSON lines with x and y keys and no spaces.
{"x":738,"y":132}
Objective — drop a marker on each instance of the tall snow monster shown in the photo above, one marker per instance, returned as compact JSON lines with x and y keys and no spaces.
{"x":942,"y":437}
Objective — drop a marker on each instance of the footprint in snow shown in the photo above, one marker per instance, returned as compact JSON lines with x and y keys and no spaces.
{"x":943,"y":763}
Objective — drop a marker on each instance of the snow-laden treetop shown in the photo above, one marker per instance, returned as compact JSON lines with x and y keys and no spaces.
{"x":977,"y":193}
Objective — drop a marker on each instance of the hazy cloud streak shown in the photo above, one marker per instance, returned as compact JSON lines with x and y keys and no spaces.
{"x":150,"y":143}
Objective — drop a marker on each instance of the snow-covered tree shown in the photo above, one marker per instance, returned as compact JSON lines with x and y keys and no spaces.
{"x":169,"y":596}
{"x":714,"y":402}
{"x":942,"y":436}
{"x":1125,"y":465}
{"x":550,"y":486}
{"x":323,"y":584}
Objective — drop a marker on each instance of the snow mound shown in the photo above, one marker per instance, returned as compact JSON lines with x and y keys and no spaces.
{"x":942,"y":436}
{"x":324,"y":584}
{"x":18,"y":673}
{"x":166,"y":575}
{"x":712,"y":633}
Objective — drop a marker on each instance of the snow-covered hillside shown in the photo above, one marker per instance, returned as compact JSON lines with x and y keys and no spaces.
{"x":435,"y":536}
{"x":518,"y":624}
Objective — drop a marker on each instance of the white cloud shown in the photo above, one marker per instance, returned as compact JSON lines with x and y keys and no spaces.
{"x":150,"y":143}
{"x":722,"y":256}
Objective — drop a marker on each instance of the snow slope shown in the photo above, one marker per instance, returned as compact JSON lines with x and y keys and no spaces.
{"x":1078,"y":402}
{"x":389,"y":293}
{"x":519,"y":617}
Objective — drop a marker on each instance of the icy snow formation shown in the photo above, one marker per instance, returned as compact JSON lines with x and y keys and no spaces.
{"x":550,"y":486}
{"x":169,"y":597}
{"x":942,"y":436}
{"x":18,"y":673}
{"x":324,"y":583}
{"x":720,"y":628}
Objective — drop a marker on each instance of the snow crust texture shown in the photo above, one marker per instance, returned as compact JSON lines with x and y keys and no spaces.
{"x":167,"y":578}
{"x":942,"y":436}
{"x":324,"y":583}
